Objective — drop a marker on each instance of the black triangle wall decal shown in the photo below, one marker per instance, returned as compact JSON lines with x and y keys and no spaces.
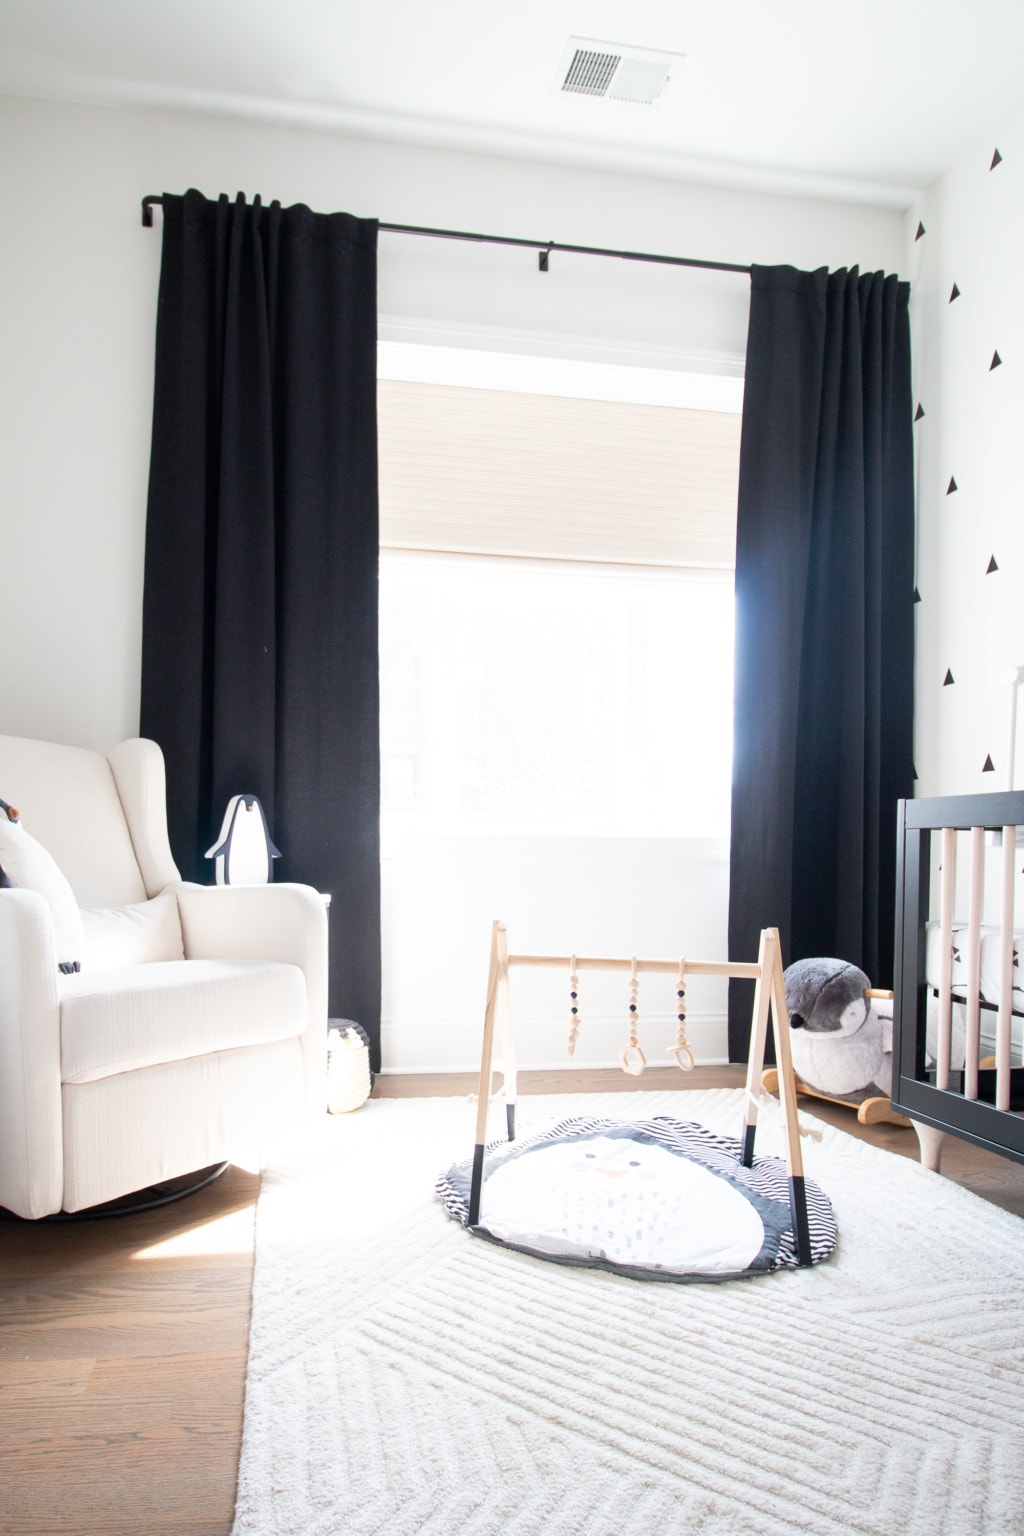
{"x":919,"y":412}
{"x":996,"y":362}
{"x":989,"y":767}
{"x":992,"y":566}
{"x":947,"y":679}
{"x":955,"y":293}
{"x":920,"y":226}
{"x":952,"y":486}
{"x":917,"y":596}
{"x":997,"y":159}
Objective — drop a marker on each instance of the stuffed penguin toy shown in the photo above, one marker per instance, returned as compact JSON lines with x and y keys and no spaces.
{"x":839,"y":1042}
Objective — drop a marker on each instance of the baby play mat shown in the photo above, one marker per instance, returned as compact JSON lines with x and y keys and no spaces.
{"x":657,"y":1199}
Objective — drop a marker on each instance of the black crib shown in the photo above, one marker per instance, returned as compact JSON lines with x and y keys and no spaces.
{"x":958,"y":850}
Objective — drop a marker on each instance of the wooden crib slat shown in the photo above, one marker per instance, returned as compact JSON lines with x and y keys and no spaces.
{"x":947,"y":896}
{"x":973,"y":1032}
{"x":1004,"y":1016}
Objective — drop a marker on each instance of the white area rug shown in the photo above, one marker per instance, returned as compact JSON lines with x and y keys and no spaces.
{"x":408,"y":1379}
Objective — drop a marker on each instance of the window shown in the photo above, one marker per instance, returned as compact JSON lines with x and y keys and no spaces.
{"x":522,"y":696}
{"x":556,"y":604}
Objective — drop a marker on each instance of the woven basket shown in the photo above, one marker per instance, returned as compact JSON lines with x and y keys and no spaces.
{"x":348,"y":1066}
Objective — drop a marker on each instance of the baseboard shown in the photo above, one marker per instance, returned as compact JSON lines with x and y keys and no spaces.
{"x":411,"y":1045}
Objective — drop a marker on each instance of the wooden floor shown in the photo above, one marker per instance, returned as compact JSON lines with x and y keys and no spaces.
{"x":123,"y":1343}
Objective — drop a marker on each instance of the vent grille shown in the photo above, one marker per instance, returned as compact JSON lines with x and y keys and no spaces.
{"x":614,"y":72}
{"x":590,"y":73}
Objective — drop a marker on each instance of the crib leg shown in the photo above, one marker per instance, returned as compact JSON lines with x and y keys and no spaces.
{"x":930,"y":1141}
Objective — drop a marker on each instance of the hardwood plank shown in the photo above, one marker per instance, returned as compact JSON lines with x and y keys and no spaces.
{"x":183,"y":1503}
{"x":147,"y":1313}
{"x":427,"y":1085}
{"x":30,"y":1386}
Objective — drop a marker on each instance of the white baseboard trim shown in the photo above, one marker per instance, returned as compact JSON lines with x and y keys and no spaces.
{"x":420,"y":1045}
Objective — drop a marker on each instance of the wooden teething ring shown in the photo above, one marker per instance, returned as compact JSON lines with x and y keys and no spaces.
{"x":632,"y":1060}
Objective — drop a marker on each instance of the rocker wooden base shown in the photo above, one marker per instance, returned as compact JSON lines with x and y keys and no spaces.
{"x":875,"y":1111}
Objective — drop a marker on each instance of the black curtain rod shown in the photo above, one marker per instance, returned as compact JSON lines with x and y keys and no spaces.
{"x":544,"y":247}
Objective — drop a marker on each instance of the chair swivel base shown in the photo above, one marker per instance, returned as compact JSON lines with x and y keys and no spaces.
{"x":155,"y":1195}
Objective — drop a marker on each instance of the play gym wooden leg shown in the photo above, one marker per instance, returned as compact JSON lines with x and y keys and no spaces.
{"x":486,"y":1073}
{"x":787,"y":1098}
{"x":758,"y":1036}
{"x":508,"y":1053}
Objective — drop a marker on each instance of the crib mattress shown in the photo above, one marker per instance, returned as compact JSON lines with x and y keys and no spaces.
{"x":991,"y":962}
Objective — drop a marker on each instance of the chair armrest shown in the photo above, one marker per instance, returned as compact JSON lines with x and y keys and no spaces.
{"x":286,"y":923}
{"x":31,"y":1134}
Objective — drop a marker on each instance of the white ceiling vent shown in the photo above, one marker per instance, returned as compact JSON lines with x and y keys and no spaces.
{"x":615,"y":71}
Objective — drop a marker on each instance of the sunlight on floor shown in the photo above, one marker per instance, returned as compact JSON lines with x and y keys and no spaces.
{"x":230,"y":1233}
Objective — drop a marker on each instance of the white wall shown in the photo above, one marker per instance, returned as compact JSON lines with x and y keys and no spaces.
{"x":970,"y":620}
{"x":79,"y":276}
{"x":612,"y":896}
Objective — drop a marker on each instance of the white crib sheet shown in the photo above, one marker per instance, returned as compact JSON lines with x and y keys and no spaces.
{"x":991,"y":961}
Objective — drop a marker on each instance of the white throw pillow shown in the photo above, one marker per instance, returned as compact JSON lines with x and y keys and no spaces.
{"x":133,"y":935}
{"x":29,"y":867}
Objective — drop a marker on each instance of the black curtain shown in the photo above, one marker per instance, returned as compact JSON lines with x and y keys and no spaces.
{"x":259,"y":666}
{"x":824,"y":642}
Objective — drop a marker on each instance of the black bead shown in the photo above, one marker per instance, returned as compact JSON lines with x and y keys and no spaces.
{"x":573,"y":1010}
{"x":632,"y":1007}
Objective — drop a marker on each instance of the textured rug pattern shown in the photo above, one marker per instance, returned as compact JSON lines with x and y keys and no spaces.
{"x":406,"y":1377}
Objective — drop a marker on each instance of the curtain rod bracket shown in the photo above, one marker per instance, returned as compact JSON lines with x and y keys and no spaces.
{"x":543,"y":258}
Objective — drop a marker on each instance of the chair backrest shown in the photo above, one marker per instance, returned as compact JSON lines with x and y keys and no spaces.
{"x":72,"y":801}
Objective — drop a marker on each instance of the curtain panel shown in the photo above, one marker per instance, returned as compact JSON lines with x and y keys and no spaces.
{"x":259,"y":667}
{"x":823,"y":730}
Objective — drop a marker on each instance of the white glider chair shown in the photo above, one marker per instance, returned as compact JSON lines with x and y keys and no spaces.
{"x":198,"y":1021}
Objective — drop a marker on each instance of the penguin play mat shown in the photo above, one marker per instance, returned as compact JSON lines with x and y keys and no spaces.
{"x":657,"y":1199}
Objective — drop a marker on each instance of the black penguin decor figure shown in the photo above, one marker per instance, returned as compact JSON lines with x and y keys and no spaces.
{"x":244,"y":852}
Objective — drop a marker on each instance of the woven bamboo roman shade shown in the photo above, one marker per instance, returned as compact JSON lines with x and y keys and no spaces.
{"x":492,"y":472}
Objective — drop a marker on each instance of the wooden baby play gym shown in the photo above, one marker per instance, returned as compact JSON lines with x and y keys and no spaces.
{"x":744,"y":1214}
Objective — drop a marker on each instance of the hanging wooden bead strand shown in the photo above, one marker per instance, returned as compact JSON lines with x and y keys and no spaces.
{"x":574,"y":1012}
{"x":631,"y":1057}
{"x":681,"y":1051}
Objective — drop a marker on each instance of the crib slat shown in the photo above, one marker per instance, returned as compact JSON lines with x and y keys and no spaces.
{"x":1003,"y":1018}
{"x":947,"y":895}
{"x":973,"y":1040}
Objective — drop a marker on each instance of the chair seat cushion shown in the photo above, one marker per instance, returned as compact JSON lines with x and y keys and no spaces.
{"x":137,"y":1016}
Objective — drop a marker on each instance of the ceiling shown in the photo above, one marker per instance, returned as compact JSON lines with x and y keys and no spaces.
{"x":869,"y":102}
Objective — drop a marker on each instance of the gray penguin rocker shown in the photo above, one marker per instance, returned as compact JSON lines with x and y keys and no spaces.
{"x":841,"y":1042}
